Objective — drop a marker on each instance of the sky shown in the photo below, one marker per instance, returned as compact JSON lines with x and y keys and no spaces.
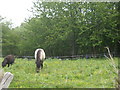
{"x":16,"y":10}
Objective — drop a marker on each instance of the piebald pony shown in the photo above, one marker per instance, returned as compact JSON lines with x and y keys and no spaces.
{"x":39,"y":57}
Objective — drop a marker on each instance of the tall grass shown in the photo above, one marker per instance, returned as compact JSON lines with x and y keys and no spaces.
{"x":115,"y":66}
{"x":81,"y":73}
{"x":1,"y":74}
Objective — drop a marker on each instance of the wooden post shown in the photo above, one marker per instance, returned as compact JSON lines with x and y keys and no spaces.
{"x":7,"y":78}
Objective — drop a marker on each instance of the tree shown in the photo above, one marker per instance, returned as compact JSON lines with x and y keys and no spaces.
{"x":65,"y":28}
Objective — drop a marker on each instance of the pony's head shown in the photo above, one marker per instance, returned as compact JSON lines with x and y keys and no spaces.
{"x":4,"y":63}
{"x":39,"y":66}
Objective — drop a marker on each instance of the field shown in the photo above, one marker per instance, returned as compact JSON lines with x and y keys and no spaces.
{"x":81,"y":73}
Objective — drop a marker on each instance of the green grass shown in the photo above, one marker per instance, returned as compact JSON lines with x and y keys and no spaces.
{"x":81,"y":73}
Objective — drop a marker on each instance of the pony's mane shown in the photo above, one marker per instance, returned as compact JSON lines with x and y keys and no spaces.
{"x":39,"y":55}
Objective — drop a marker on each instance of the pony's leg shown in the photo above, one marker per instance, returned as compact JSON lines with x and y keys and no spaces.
{"x":37,"y":66}
{"x":8,"y":65}
{"x":41,"y":65}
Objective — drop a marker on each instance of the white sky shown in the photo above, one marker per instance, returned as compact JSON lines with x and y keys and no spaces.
{"x":16,"y":10}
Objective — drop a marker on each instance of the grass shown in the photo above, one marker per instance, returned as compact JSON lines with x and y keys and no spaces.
{"x":1,"y":74}
{"x":81,"y":73}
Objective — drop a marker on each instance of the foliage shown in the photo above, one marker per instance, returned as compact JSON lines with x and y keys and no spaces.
{"x":75,"y":27}
{"x":81,"y":73}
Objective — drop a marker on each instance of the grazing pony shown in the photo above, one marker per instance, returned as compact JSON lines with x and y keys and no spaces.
{"x":39,"y":57}
{"x":9,"y":59}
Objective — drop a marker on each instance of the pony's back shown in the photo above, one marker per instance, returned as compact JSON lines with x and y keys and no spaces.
{"x":41,"y":54}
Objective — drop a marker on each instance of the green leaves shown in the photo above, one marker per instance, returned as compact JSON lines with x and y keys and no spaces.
{"x":67,"y":28}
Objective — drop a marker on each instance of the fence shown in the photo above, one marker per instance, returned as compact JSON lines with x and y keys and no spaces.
{"x":6,"y":80}
{"x":87,"y":56}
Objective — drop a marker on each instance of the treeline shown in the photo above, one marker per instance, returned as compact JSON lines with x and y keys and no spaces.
{"x":70,"y":28}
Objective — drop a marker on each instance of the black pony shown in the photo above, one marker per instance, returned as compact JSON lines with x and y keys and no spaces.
{"x":9,"y":59}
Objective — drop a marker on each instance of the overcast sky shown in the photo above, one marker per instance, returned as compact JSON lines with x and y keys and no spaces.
{"x":15,"y":10}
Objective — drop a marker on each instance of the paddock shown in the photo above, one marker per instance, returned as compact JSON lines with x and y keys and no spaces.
{"x":80,"y":73}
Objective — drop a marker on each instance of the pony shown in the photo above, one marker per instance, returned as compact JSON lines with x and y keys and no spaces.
{"x":9,"y":59}
{"x":39,"y":57}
